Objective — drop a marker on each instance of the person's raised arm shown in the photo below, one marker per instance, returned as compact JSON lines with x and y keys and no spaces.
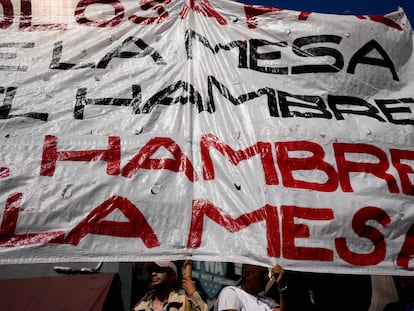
{"x":190,"y":289}
{"x":279,"y":274}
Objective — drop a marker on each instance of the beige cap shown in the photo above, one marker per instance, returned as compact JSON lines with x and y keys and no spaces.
{"x":164,"y":264}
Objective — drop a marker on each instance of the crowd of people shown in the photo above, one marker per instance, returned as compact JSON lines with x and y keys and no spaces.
{"x":269,"y":289}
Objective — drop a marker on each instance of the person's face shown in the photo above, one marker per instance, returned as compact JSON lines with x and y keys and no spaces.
{"x":258,"y":278}
{"x":161,"y":277}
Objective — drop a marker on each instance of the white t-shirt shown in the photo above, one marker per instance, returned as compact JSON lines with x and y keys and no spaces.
{"x":233,"y":297}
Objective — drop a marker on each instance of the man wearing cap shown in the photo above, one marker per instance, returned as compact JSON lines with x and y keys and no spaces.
{"x":163,"y":297}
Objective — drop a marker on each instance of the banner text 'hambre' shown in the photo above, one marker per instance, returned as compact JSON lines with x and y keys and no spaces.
{"x":338,"y":176}
{"x":280,"y":238}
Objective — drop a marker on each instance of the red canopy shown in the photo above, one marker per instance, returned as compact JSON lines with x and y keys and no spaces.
{"x":69,"y":292}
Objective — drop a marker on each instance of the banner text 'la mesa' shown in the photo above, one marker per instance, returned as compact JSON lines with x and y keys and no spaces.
{"x":280,"y":103}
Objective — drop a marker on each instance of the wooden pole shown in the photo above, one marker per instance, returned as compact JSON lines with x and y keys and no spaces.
{"x":188,"y":272}
{"x":188,"y":269}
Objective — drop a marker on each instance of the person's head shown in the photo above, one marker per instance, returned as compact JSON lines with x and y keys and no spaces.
{"x":163,"y":274}
{"x":254,"y":278}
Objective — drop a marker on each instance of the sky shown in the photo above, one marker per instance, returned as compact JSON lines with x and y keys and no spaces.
{"x":355,"y":7}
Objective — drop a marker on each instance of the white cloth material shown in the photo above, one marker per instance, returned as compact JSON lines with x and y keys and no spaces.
{"x":233,"y":297}
{"x":383,"y":292}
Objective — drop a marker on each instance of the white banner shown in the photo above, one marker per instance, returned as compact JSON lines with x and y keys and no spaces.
{"x":139,"y":130}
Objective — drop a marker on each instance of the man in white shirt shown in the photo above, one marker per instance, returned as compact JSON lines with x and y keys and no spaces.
{"x":249,"y":295}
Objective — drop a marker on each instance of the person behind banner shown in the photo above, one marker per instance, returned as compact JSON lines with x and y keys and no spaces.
{"x":249,"y":295}
{"x":405,"y":289}
{"x":163,"y":296}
